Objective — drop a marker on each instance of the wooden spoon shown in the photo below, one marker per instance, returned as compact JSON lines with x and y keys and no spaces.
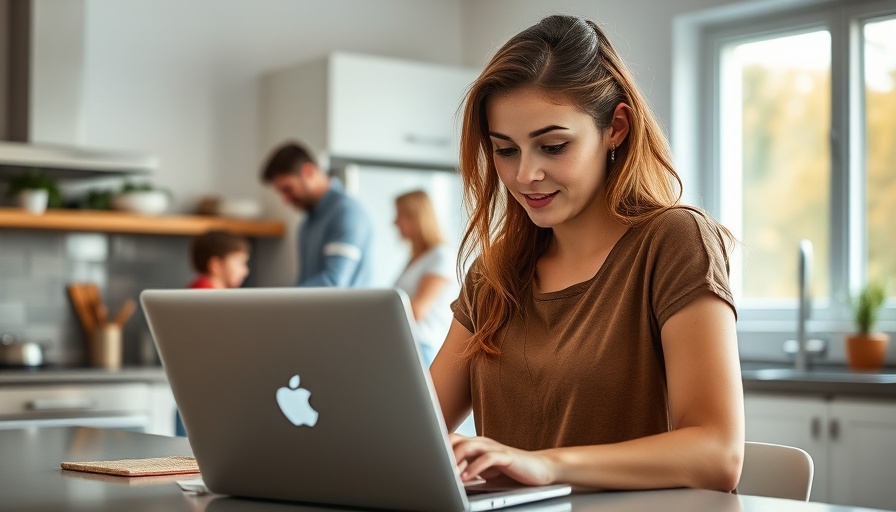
{"x":124,"y":314}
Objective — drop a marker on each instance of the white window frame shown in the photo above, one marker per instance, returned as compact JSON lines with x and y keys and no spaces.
{"x":697,"y":89}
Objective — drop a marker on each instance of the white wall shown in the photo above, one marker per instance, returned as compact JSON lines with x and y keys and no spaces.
{"x":179,"y":79}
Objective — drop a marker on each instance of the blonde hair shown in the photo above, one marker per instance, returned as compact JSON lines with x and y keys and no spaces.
{"x":572,"y":60}
{"x":426,"y":232}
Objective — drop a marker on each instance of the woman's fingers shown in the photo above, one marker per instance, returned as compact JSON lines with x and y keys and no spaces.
{"x":466,"y":449}
{"x":478,"y":456}
{"x":485,"y":458}
{"x":461,"y":466}
{"x":488,"y":460}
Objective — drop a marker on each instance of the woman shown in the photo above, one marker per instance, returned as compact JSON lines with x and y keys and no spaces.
{"x":594,"y":336}
{"x":430,"y":277}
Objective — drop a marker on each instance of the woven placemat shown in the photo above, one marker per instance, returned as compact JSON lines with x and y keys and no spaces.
{"x":137,"y":467}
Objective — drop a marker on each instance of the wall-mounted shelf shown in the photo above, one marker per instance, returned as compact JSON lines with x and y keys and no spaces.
{"x":123,"y":222}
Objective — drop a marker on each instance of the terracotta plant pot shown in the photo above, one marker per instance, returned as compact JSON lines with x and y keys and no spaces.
{"x":866,"y":352}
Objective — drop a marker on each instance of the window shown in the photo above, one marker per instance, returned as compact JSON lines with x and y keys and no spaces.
{"x":801,"y":144}
{"x":880,"y":147}
{"x":775,"y":122}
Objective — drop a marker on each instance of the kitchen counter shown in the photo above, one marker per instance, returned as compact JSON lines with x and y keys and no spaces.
{"x":827,"y":380}
{"x":69,"y":375}
{"x":30,"y":479}
{"x":771,"y":377}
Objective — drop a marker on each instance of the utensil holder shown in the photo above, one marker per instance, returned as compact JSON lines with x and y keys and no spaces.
{"x":105,"y":351}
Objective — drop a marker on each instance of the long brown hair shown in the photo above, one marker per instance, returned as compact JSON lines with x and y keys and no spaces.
{"x":571,"y":59}
{"x":426,"y":231}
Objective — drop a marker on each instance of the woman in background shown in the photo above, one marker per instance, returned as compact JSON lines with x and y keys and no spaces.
{"x":429,"y":279}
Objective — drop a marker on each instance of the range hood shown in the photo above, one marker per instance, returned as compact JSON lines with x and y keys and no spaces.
{"x":42,"y":94}
{"x":70,"y":161}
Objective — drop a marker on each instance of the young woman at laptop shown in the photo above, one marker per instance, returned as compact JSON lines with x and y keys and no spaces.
{"x":594,"y":338}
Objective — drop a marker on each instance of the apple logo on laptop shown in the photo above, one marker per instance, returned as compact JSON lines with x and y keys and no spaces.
{"x":293,"y":402}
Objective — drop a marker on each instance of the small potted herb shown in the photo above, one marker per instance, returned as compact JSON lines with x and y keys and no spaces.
{"x":866,"y":349}
{"x":34,"y":191}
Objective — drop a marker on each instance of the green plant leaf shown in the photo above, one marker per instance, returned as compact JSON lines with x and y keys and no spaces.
{"x":130,"y":186}
{"x":866,"y":306}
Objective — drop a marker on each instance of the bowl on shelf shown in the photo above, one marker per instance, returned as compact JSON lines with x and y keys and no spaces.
{"x":146,"y":202}
{"x":239,"y":208}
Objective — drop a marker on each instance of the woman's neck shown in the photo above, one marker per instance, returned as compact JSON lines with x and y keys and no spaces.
{"x":215,"y":280}
{"x":592,"y":232}
{"x":418,"y":248}
{"x":578,"y":250}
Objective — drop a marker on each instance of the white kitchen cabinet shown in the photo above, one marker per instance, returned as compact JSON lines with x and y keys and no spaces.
{"x":863,"y":452}
{"x":161,"y":408}
{"x":852,"y":442}
{"x":140,"y":406}
{"x":365,"y":108}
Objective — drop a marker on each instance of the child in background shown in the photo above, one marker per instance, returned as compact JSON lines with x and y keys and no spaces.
{"x":221,"y":260}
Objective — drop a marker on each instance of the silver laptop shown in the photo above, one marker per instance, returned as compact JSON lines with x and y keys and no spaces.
{"x":312,"y":395}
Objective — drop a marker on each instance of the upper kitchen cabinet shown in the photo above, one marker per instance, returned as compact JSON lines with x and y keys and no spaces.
{"x":364,"y":108}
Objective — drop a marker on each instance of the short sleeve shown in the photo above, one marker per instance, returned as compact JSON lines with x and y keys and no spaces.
{"x":347,"y":233}
{"x":689,"y":259}
{"x":462,"y":307}
{"x":346,"y":239}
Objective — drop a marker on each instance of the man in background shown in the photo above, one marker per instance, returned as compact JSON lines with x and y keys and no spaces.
{"x":336,"y":238}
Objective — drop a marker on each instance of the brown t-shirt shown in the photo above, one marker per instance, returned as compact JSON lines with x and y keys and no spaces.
{"x":584,"y":365}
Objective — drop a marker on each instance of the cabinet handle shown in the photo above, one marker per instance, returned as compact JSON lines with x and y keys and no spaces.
{"x":815,"y":427}
{"x":834,"y":429}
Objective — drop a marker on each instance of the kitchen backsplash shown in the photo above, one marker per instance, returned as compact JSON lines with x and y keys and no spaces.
{"x":36,"y":266}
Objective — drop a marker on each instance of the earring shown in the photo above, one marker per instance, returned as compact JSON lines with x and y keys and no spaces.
{"x":613,"y":154}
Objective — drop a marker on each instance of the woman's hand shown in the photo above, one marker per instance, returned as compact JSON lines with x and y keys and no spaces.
{"x":482,"y":457}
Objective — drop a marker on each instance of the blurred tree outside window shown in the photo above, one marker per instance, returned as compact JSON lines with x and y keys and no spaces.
{"x":784,"y":160}
{"x":880,"y":140}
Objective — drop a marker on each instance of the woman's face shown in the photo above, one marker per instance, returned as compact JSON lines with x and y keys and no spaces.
{"x":549,"y":155}
{"x":403,"y":222}
{"x":234,"y":269}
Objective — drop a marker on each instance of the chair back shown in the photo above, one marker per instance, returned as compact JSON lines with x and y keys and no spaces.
{"x":776,"y":471}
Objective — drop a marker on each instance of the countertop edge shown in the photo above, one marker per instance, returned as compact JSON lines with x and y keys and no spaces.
{"x":83,"y":376}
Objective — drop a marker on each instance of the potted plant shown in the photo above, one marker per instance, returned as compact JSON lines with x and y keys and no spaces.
{"x":34,"y":191}
{"x":866,"y":349}
{"x":142,"y":198}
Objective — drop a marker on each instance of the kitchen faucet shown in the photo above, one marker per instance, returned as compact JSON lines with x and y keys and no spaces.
{"x":805,"y":301}
{"x":804,"y":346}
